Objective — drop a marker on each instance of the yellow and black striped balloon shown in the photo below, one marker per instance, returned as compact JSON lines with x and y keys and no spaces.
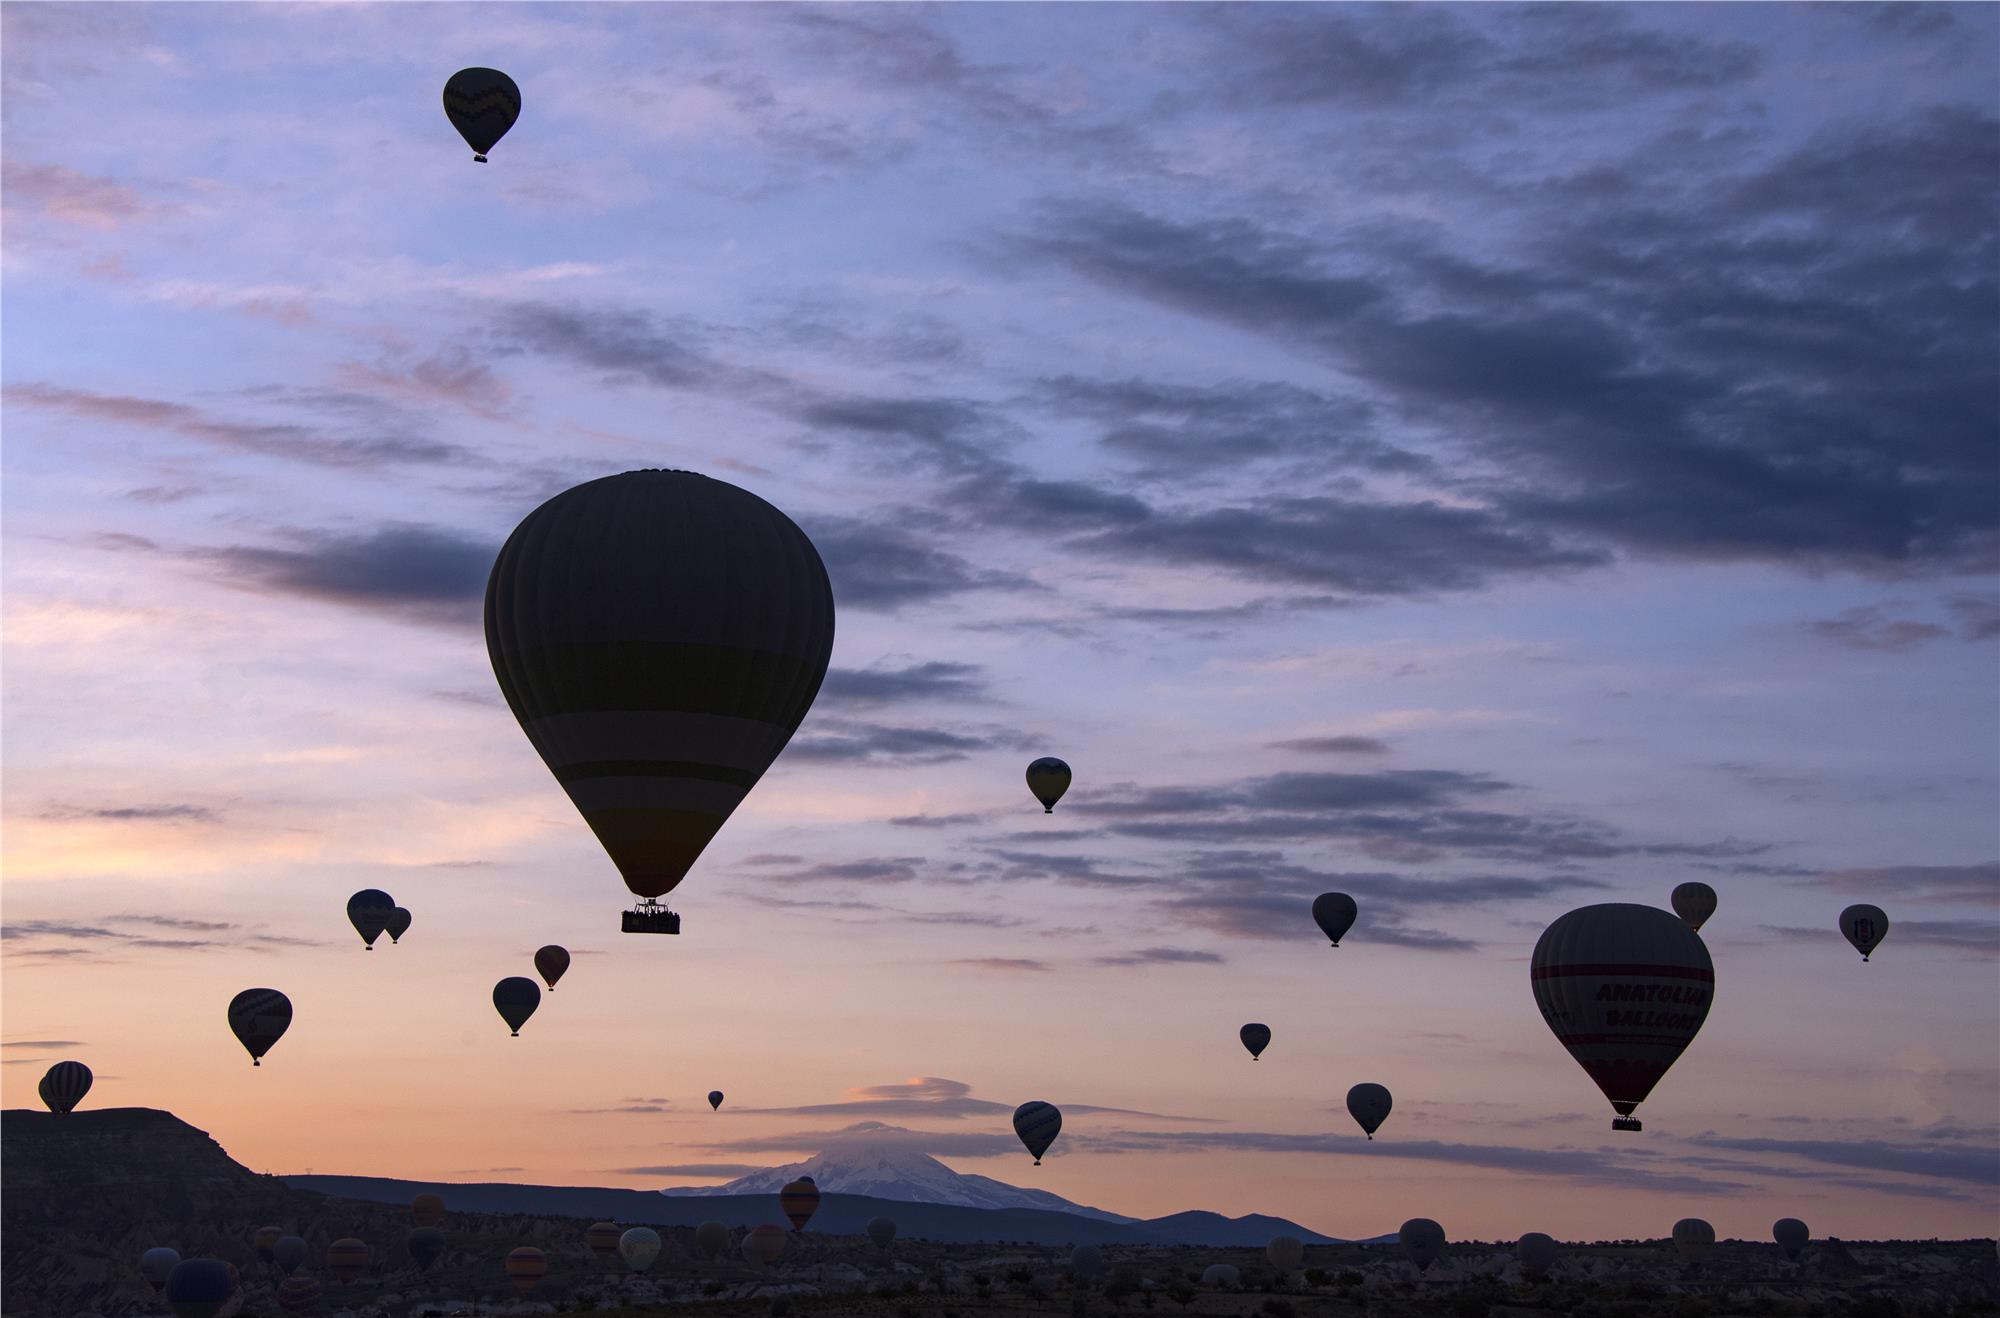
{"x":526,"y":1267}
{"x":482,"y":105}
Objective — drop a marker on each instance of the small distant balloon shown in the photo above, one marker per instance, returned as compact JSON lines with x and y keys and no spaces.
{"x":427,"y":1209}
{"x":425,"y":1244}
{"x":258,"y":1018}
{"x":550,"y":963}
{"x":639,"y":1247}
{"x":1423,"y":1241}
{"x":368,"y":911}
{"x":1334,"y":913}
{"x":1369,"y":1105}
{"x":198,"y":1288}
{"x":714,"y":1099}
{"x":1792,"y":1236}
{"x":1864,"y":926}
{"x":1537,"y":1253}
{"x":290,"y":1253}
{"x":482,"y":105}
{"x":602,"y":1239}
{"x":397,"y":924}
{"x":299,"y":1293}
{"x":1086,"y":1260}
{"x":799,"y":1200}
{"x":1255,"y":1037}
{"x":1694,"y":902}
{"x":763,"y":1244}
{"x":156,"y":1264}
{"x":63,"y":1087}
{"x":882,"y":1231}
{"x":345,"y":1258}
{"x":1286,"y":1253}
{"x":1048,"y":779}
{"x":1693,"y":1238}
{"x":515,"y":999}
{"x":712,"y":1238}
{"x":1221,"y":1276}
{"x":526,"y":1266}
{"x":1038,"y":1124}
{"x":265,"y":1241}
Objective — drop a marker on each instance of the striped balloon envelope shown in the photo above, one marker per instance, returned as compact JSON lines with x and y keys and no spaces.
{"x":266,"y":1241}
{"x":602,"y":1237}
{"x":63,"y":1087}
{"x":1624,"y":988}
{"x":482,"y":105}
{"x":259,"y":1018}
{"x":1038,"y":1124}
{"x":345,"y":1258}
{"x":660,"y":636}
{"x":526,"y":1266}
{"x":299,"y":1293}
{"x":799,"y":1201}
{"x":763,"y":1244}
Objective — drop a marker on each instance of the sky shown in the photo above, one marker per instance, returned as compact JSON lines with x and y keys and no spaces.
{"x":1487,"y":460}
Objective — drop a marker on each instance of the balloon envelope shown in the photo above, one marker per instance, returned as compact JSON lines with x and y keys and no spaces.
{"x":799,"y":1200}
{"x":63,"y":1087}
{"x":1369,"y":1105}
{"x":1624,"y":988}
{"x":156,"y":1263}
{"x":1864,"y":926}
{"x":1791,"y":1235}
{"x":602,"y":1239}
{"x":660,"y":636}
{"x":764,"y":1243}
{"x":1285,"y":1252}
{"x":712,"y":1238}
{"x":1693,"y":1238}
{"x":551,"y":962}
{"x":1334,"y":913}
{"x":198,"y":1288}
{"x":299,"y":1293}
{"x":1048,"y":779}
{"x":1086,"y":1261}
{"x":639,"y":1247}
{"x":1038,"y":1124}
{"x":482,"y":105}
{"x":882,"y":1231}
{"x":289,"y":1253}
{"x":515,"y":999}
{"x":1694,"y":903}
{"x":265,"y":1241}
{"x":258,"y":1018}
{"x":714,"y":1099}
{"x":1255,"y":1037}
{"x":427,"y":1210}
{"x":345,"y":1258}
{"x":526,"y":1266}
{"x":1221,"y":1276}
{"x":1423,"y":1241}
{"x":425,"y":1244}
{"x":368,"y":911}
{"x":1537,"y":1253}
{"x":397,"y":924}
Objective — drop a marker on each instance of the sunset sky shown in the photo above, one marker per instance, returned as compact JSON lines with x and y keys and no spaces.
{"x":1486,"y":460}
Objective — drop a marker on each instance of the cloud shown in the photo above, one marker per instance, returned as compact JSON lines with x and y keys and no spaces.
{"x":42,"y":1043}
{"x":1147,"y":956}
{"x":937,"y":821}
{"x":76,"y":199}
{"x":882,"y":685}
{"x":1003,"y":963}
{"x":875,"y":566}
{"x":625,"y":345}
{"x":645,"y":1109}
{"x":879,"y":869}
{"x":165,"y":812}
{"x":33,"y":938}
{"x":1980,"y":937}
{"x":700,"y":1170}
{"x":1973,"y":1163}
{"x":1869,"y":627}
{"x":948,"y":1144}
{"x":924,"y":1096}
{"x":1975,"y":884}
{"x":1333,"y":745}
{"x":1978,"y":616}
{"x":830,"y":740}
{"x":422,"y":573}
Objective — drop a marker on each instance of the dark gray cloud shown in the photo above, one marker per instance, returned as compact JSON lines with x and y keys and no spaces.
{"x":1978,"y":616}
{"x":1333,"y":745}
{"x":1974,"y":884}
{"x":167,"y":812}
{"x":42,"y":1043}
{"x":1976,"y":1163}
{"x":628,"y":346}
{"x":651,"y":1108}
{"x":1873,"y":627}
{"x":875,"y":565}
{"x":941,"y":1143}
{"x":1153,"y":956}
{"x":724,"y":1170}
{"x":878,"y":869}
{"x":424,"y":573}
{"x":844,"y":741}
{"x":937,"y":821}
{"x":1978,"y":937}
{"x":934,"y":1096}
{"x":883,"y":685}
{"x":1011,"y":964}
{"x":56,"y":938}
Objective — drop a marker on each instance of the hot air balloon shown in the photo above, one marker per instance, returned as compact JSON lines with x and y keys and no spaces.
{"x":602,"y":1238}
{"x":63,"y":1087}
{"x":258,"y":1018}
{"x":345,"y":1258}
{"x":1369,"y":1105}
{"x":660,"y":636}
{"x":1038,"y":1124}
{"x":1287,"y":1253}
{"x":368,"y":911}
{"x":265,"y":1241}
{"x":1624,"y":988}
{"x":289,"y":1253}
{"x":712,"y":1238}
{"x":156,"y":1264}
{"x":1792,"y":1236}
{"x":1255,"y":1037}
{"x":639,"y":1247}
{"x":397,"y":924}
{"x":1221,"y":1276}
{"x":482,"y":105}
{"x":1423,"y":1241}
{"x":1048,"y":779}
{"x":550,"y":963}
{"x":1864,"y":926}
{"x":1086,"y":1261}
{"x":714,"y":1099}
{"x":425,"y":1244}
{"x":1537,"y":1254}
{"x":1694,"y":902}
{"x":799,"y":1200}
{"x":882,"y":1231}
{"x":1334,"y":913}
{"x":1693,"y":1238}
{"x":299,"y":1293}
{"x":763,"y":1244}
{"x":198,"y":1288}
{"x":526,"y":1266}
{"x":427,"y":1210}
{"x":515,"y":999}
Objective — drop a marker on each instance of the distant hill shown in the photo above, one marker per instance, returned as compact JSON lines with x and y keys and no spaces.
{"x":886,"y":1171}
{"x":839,"y":1214}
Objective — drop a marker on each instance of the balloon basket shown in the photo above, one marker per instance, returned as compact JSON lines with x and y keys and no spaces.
{"x":651,"y":920}
{"x":1626,"y":1123}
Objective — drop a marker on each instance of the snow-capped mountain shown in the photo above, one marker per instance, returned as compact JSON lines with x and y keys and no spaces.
{"x":885,"y":1171}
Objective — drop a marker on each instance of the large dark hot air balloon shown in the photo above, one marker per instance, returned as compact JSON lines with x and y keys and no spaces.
{"x":1369,"y":1105}
{"x":1624,"y":988}
{"x":1693,"y":902}
{"x":1537,"y":1253}
{"x":369,"y":911}
{"x":63,"y":1087}
{"x":397,"y":924}
{"x":526,"y":1266}
{"x":258,"y":1018}
{"x":1693,"y":1238}
{"x":198,"y":1288}
{"x":1334,"y":913}
{"x":551,"y":963}
{"x":1423,"y":1240}
{"x":660,"y":636}
{"x":157,"y":1263}
{"x":1038,"y":1124}
{"x":763,"y":1244}
{"x":515,"y":999}
{"x":425,"y":1244}
{"x":799,"y":1201}
{"x":1792,"y":1236}
{"x":602,"y":1239}
{"x":1048,"y":779}
{"x":1256,"y":1038}
{"x":482,"y":105}
{"x":345,"y":1258}
{"x":1864,"y":926}
{"x":289,"y":1253}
